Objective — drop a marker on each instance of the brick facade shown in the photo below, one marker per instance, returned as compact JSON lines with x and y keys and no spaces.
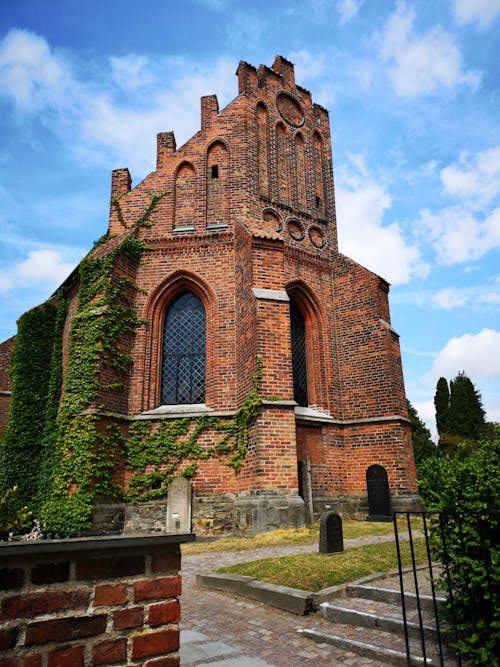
{"x":247,"y":224}
{"x":91,"y":601}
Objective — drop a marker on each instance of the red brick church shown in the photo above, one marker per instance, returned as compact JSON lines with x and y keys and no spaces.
{"x":241,"y":288}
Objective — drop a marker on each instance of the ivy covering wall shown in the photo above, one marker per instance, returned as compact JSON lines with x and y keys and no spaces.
{"x":86,"y":451}
{"x":21,"y":449}
{"x":158,"y":452}
{"x":62,"y":453}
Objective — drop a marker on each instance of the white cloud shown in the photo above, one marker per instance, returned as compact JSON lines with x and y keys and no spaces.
{"x":427,"y":412}
{"x":348,"y":9}
{"x":457,"y":235}
{"x":307,"y":65}
{"x":468,"y":230}
{"x":449,"y":298}
{"x":476,"y":354}
{"x":99,"y":119}
{"x":483,"y":296}
{"x":31,"y":74}
{"x":426,"y":170}
{"x":422,"y":64}
{"x":128,"y":134}
{"x":41,"y":266}
{"x":475,"y":178}
{"x":131,"y":72}
{"x":482,"y":12}
{"x":5,"y":282}
{"x":489,"y":297}
{"x":361,"y":205}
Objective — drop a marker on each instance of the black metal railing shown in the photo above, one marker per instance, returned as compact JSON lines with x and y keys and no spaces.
{"x":441,"y":572}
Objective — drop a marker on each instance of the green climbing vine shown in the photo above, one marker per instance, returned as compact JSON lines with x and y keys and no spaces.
{"x":70,"y":449}
{"x":50,"y":429}
{"x":86,"y":451}
{"x":144,"y":220}
{"x":30,"y":370}
{"x":158,"y":452}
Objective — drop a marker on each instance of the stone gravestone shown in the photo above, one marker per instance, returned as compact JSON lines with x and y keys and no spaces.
{"x":330,"y":533}
{"x":179,"y":506}
{"x":379,"y":496}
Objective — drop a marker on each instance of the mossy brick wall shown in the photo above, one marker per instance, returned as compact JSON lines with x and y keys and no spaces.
{"x":91,"y":601}
{"x":5,"y":352}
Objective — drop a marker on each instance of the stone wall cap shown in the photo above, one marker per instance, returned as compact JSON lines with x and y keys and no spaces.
{"x":89,"y":544}
{"x":270,"y":294}
{"x":312,"y":414}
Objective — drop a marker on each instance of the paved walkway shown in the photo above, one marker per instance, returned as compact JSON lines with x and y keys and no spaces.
{"x":221,"y":630}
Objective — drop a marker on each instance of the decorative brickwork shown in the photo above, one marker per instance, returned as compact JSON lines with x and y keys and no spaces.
{"x":65,"y":605}
{"x":243,"y":217}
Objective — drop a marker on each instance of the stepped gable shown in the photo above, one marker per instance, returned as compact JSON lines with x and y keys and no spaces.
{"x":240,"y":278}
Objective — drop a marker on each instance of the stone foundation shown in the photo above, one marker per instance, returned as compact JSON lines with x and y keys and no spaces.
{"x":356,"y":507}
{"x":245,"y":514}
{"x":260,"y":512}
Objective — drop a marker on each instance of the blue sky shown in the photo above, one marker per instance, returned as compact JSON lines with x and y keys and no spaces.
{"x":413,"y":90}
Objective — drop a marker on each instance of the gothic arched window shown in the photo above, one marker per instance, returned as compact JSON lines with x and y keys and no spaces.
{"x":184,"y":336}
{"x":299,"y":364}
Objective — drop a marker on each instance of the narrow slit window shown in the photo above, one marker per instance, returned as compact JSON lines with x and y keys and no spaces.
{"x":299,"y":363}
{"x":215,"y":171}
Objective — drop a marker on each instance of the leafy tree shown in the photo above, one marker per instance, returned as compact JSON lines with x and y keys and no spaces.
{"x":464,"y":489}
{"x":423,"y":446}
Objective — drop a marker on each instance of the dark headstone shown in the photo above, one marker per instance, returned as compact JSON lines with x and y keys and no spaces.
{"x":379,"y":496}
{"x":330,"y":533}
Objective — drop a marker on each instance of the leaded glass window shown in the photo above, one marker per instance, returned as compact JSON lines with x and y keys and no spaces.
{"x":299,"y":365}
{"x":184,"y":337}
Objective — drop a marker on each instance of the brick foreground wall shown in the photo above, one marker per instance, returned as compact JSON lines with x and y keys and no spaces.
{"x":91,"y":601}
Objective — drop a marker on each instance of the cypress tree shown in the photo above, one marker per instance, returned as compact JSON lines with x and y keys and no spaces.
{"x":466,"y":415}
{"x":442,"y":406}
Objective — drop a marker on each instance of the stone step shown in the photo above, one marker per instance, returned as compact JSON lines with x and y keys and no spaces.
{"x":377,"y":645}
{"x":378,"y":611}
{"x":382,"y":616}
{"x":393,"y":596}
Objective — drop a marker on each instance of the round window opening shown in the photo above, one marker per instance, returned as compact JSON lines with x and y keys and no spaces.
{"x":290,"y":110}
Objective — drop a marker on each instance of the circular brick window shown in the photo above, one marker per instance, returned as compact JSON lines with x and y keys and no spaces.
{"x":317,"y":237}
{"x":295,"y":230}
{"x":290,"y":110}
{"x":272,"y":220}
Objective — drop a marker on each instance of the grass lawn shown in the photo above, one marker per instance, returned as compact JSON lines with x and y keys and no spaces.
{"x":312,"y":572}
{"x":290,"y":536}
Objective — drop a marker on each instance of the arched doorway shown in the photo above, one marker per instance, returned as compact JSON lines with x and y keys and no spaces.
{"x":379,"y":496}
